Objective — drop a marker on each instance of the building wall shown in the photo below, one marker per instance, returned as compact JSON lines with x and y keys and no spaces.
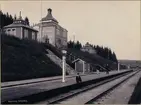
{"x":89,"y":49}
{"x":25,"y":33}
{"x":34,"y":35}
{"x":79,"y":66}
{"x":92,"y":51}
{"x":29,"y":34}
{"x":61,"y":37}
{"x":39,"y":27}
{"x":65,"y":38}
{"x":48,"y":32}
{"x":56,"y":34}
{"x":58,"y":37}
{"x":18,"y":32}
{"x":87,"y":67}
{"x":10,"y":31}
{"x":40,"y":33}
{"x":21,"y":32}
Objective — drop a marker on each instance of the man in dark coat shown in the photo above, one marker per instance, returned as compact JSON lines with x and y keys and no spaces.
{"x":78,"y":78}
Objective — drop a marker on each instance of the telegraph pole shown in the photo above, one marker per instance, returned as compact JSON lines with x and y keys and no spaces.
{"x":74,"y":37}
{"x":83,"y":67}
{"x":118,"y":66}
{"x":108,"y":54}
{"x":0,"y":24}
{"x":41,"y":23}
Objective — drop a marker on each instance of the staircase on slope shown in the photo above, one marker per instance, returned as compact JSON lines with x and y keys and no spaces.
{"x":58,"y":61}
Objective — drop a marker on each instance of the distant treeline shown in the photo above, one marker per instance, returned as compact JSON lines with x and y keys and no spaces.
{"x":7,"y":19}
{"x":104,"y":52}
{"x":76,"y":45}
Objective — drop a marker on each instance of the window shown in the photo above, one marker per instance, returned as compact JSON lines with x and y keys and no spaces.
{"x":13,"y":29}
{"x":13,"y":32}
{"x":25,"y":33}
{"x":33,"y":35}
{"x":58,"y":32}
{"x":64,"y":34}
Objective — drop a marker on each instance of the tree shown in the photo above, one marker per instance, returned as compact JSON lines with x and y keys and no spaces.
{"x":72,"y":44}
{"x":114,"y":57}
{"x":10,"y":19}
{"x":1,"y":12}
{"x":87,"y":43}
{"x":110,"y":55}
{"x":1,"y":18}
{"x":7,"y":19}
{"x":27,"y":21}
{"x":78,"y":45}
{"x":7,"y":14}
{"x":69,"y":44}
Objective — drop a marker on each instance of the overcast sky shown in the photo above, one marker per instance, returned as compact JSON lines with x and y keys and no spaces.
{"x":115,"y":24}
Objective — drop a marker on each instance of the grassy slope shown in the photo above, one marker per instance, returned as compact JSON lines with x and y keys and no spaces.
{"x":23,"y":59}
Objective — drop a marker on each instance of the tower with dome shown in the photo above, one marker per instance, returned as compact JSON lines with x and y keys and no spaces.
{"x":49,"y":29}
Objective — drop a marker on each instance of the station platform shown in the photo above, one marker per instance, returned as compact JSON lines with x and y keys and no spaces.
{"x":35,"y":86}
{"x":29,"y":81}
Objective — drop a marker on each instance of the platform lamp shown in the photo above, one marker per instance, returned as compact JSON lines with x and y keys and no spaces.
{"x":64,"y":65}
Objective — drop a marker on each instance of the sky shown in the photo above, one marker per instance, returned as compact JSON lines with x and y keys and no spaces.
{"x":113,"y":24}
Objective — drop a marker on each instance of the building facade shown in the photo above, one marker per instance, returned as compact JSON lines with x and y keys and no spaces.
{"x":49,"y":29}
{"x":88,"y":48}
{"x":20,"y":29}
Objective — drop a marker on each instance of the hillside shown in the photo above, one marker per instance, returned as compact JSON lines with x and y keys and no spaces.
{"x":23,"y":59}
{"x":93,"y":59}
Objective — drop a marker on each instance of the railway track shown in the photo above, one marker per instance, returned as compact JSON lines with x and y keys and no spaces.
{"x":111,"y":88}
{"x":79,"y":93}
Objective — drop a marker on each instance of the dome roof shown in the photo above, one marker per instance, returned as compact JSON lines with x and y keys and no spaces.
{"x":49,"y":16}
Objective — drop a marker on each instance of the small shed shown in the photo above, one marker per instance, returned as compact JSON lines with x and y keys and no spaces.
{"x":81,"y":65}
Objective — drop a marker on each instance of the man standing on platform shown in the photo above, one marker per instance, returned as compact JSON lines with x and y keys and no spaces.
{"x":78,"y":78}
